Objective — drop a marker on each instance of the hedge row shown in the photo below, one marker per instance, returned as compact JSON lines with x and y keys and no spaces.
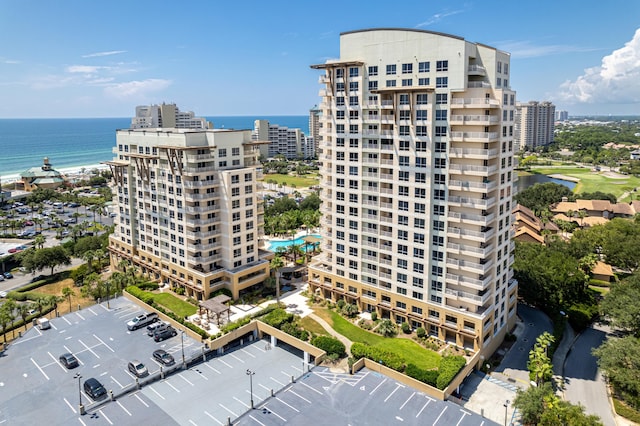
{"x":330,"y":345}
{"x":277,"y":318}
{"x":246,"y":320}
{"x":450,"y":366}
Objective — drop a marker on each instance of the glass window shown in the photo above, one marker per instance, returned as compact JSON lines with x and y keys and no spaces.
{"x":442,"y":65}
{"x":423,"y":81}
{"x":353,"y":71}
{"x":391,"y":69}
{"x":442,"y":81}
{"x":442,"y":98}
{"x":407,"y":82}
{"x":339,"y":73}
{"x":423,"y":66}
{"x":391,"y":83}
{"x":373,"y":70}
{"x":407,"y":68}
{"x":421,"y":99}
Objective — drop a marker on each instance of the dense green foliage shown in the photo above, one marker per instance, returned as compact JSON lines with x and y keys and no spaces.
{"x":277,"y":317}
{"x":330,"y":345}
{"x":621,"y":305}
{"x":619,"y":358}
{"x":285,"y":215}
{"x":541,"y":195}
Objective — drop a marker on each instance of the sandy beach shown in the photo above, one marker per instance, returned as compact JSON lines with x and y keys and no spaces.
{"x":70,"y":173}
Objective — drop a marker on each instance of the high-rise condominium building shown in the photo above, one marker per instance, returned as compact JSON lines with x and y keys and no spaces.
{"x":314,"y":125}
{"x":417,"y":170}
{"x":562,"y":115}
{"x":187,"y":209}
{"x":166,"y":116}
{"x":534,"y":124}
{"x":292,"y":143}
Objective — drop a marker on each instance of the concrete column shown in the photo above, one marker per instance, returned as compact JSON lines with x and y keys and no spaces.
{"x":306,"y":360}
{"x":274,"y":341}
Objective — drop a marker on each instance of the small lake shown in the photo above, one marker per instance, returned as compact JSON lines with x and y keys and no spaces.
{"x":526,"y":181}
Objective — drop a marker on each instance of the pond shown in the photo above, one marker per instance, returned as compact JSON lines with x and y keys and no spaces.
{"x":529,"y":180}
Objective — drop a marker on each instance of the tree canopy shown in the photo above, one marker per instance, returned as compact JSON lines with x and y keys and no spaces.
{"x":541,"y":195}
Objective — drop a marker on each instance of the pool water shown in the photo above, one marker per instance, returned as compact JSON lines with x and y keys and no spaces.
{"x":274,"y":245}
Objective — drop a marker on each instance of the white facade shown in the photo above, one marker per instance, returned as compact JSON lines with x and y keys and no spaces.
{"x":292,"y":143}
{"x":166,"y":116}
{"x":188,"y":210}
{"x":315,"y":125}
{"x":562,"y":115}
{"x":534,"y":124}
{"x":417,"y":176}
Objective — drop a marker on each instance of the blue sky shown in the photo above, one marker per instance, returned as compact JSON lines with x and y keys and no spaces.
{"x":79,"y":58}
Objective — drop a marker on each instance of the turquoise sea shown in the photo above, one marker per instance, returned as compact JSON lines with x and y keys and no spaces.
{"x":78,"y":142}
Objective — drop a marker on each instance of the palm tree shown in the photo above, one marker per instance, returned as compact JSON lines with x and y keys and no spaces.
{"x":582,"y":213}
{"x":23,"y":311}
{"x":276,"y":264}
{"x":88,"y":257}
{"x":39,"y":240}
{"x":67,"y":292}
{"x":387,"y":328}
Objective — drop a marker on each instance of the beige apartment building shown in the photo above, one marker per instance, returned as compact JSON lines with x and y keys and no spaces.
{"x":187,"y":208}
{"x":417,"y":183}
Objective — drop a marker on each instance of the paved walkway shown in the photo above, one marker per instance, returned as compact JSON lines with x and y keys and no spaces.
{"x":330,"y":330}
{"x":560,"y":357}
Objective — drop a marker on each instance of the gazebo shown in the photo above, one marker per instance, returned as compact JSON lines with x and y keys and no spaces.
{"x":217,"y":305}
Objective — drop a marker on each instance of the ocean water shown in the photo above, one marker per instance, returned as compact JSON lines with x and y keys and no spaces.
{"x":77,"y":142}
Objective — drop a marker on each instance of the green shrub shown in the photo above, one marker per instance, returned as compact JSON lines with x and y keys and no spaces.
{"x":406,"y":328}
{"x":277,"y":318}
{"x":224,"y":291}
{"x":180,"y":291}
{"x":374,"y":316}
{"x":450,"y":366}
{"x":340,"y":303}
{"x":148,"y":285}
{"x":421,"y":332}
{"x":330,"y":345}
{"x":429,"y":377}
{"x":391,"y":360}
{"x":581,"y":315}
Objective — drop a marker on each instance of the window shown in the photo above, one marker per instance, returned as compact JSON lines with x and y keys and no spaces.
{"x":423,"y":81}
{"x":421,"y":114}
{"x":419,"y":208}
{"x":421,"y":99}
{"x":403,"y":176}
{"x":423,"y":66}
{"x":407,"y":82}
{"x":442,"y":98}
{"x":440,"y":179}
{"x":403,"y":206}
{"x":407,"y":68}
{"x":353,"y":101}
{"x":438,"y":225}
{"x":391,"y":83}
{"x":391,"y":69}
{"x":404,"y":99}
{"x":442,"y":81}
{"x":442,"y":65}
{"x":353,"y":71}
{"x":421,"y":162}
{"x":403,"y":220}
{"x":420,"y":193}
{"x":222,"y":152}
{"x":373,"y":85}
{"x":418,"y":253}
{"x":340,"y":86}
{"x":441,"y":114}
{"x":339,"y":100}
{"x":438,"y":194}
{"x":373,"y":71}
{"x":441,"y":131}
{"x":506,"y":68}
{"x":402,"y":249}
{"x":353,"y":86}
{"x":420,"y":178}
{"x":353,"y":129}
{"x":499,"y":67}
{"x":405,"y":115}
{"x":404,"y":130}
{"x":403,"y":190}
{"x":404,"y":160}
{"x":404,"y":145}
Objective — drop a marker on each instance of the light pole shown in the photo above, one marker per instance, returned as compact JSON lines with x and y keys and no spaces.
{"x":182,"y":339}
{"x":250,"y":374}
{"x":506,"y":406}
{"x":80,"y":406}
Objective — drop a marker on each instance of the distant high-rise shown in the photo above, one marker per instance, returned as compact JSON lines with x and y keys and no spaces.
{"x":315,"y":125}
{"x":166,"y":116}
{"x":562,"y":115}
{"x":534,"y":124}
{"x":416,"y":183}
{"x":292,"y":143}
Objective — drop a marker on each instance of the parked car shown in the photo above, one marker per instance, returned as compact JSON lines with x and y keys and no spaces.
{"x":157,"y":326}
{"x":165,"y":334}
{"x":138,"y":369}
{"x":37,"y":278}
{"x":94,"y":388}
{"x":1,"y":277}
{"x":68,"y":360}
{"x":8,"y":275}
{"x":163,"y":357}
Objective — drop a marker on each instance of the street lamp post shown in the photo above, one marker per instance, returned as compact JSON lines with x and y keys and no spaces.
{"x":182,"y":339}
{"x":80,"y":406}
{"x":250,"y":374}
{"x":506,"y":406}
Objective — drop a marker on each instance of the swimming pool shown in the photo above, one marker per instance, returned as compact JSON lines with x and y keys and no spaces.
{"x":274,"y":245}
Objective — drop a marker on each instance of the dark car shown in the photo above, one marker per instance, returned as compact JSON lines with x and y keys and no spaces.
{"x":37,"y":278}
{"x":94,"y":388}
{"x":165,"y":334}
{"x":138,"y":369}
{"x":68,"y":360}
{"x":163,"y":357}
{"x":8,"y":275}
{"x":157,"y":327}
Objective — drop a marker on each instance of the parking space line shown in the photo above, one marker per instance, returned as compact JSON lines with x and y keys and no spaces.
{"x":398,"y":386}
{"x":70,"y":406}
{"x":41,"y":370}
{"x":376,"y":388}
{"x":141,"y":400}
{"x":228,"y":365}
{"x":100,"y":340}
{"x":64,"y":318}
{"x":248,"y":353}
{"x":445,"y":409}
{"x":81,"y":317}
{"x":105,"y":417}
{"x":241,"y":360}
{"x":227,"y":409}
{"x":185,"y":379}
{"x":89,"y":349}
{"x":193,"y":423}
{"x":53,"y":325}
{"x":408,"y":399}
{"x":56,"y":361}
{"x":207,"y":364}
{"x":173,"y":387}
{"x":464,"y":413}
{"x":122,"y":406}
{"x":264,"y":387}
{"x":315,"y":390}
{"x":103,"y":307}
{"x":241,"y":402}
{"x":423,"y":407}
{"x":300,"y":396}
{"x":91,"y":310}
{"x":117,"y":382}
{"x":83,"y":423}
{"x":218,"y":421}
{"x":273,"y":412}
{"x":201,"y":374}
{"x":156,"y":392}
{"x":281,"y":384}
{"x":256,"y":420}
{"x":290,"y":406}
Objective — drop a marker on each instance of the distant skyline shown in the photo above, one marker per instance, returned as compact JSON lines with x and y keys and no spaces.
{"x":102,"y":59}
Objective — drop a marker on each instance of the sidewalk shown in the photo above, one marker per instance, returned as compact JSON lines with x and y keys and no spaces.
{"x":347,"y":343}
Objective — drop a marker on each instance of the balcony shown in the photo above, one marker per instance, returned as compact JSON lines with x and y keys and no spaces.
{"x":468,"y":281}
{"x":469,"y":250}
{"x":483,"y":137}
{"x":478,"y":85}
{"x":471,"y":218}
{"x":474,"y":103}
{"x":467,"y":185}
{"x":477,"y":70}
{"x":463,"y":296}
{"x":473,"y":170}
{"x":480,"y":154}
{"x":474,"y":267}
{"x":480,"y":120}
{"x":477,"y":203}
{"x":482,"y":237}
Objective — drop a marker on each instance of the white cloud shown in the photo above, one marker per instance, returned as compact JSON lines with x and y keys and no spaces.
{"x":109,"y":53}
{"x":136,"y":88}
{"x":616,"y":80}
{"x":437,"y":18}
{"x":525,"y":49}
{"x":84,"y":69}
{"x":11,"y":62}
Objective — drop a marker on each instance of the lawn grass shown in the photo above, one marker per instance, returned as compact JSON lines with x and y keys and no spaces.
{"x":409,"y":350}
{"x":176,"y":305}
{"x":291,"y":181}
{"x":313,"y":326}
{"x":625,"y":411}
{"x":592,"y":181}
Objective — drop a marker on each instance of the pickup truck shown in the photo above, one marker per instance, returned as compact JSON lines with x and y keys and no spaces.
{"x":142,"y":320}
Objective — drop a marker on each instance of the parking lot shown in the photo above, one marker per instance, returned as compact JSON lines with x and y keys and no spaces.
{"x":35,"y":386}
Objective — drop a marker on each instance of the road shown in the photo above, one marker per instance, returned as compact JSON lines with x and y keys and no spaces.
{"x":584,"y":383}
{"x":514,"y":364}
